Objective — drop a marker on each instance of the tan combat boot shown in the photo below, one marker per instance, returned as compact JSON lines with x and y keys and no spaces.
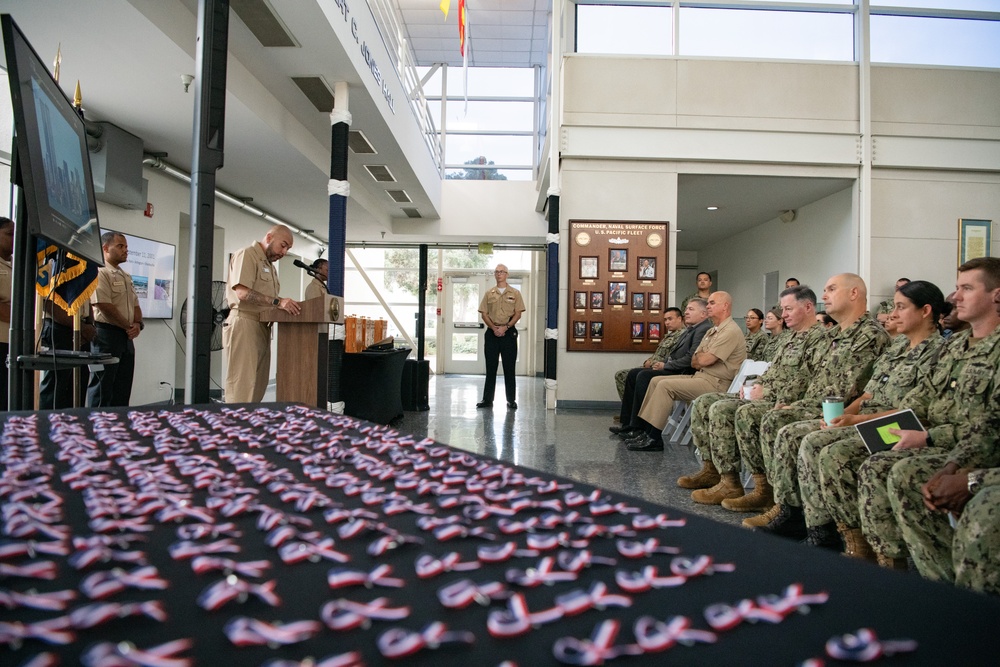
{"x":729,"y":486}
{"x":705,"y":478}
{"x":759,"y":499}
{"x":892,"y":563}
{"x":855,"y":544}
{"x":762,"y":519}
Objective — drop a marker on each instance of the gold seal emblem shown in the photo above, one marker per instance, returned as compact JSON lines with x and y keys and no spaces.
{"x":654,"y":240}
{"x":583,"y":238}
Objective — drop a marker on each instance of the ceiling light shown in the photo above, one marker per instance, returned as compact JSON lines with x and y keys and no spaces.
{"x":713,"y":208}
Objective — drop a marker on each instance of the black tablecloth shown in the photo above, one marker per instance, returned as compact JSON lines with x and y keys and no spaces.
{"x":951,"y":626}
{"x":371,"y":385}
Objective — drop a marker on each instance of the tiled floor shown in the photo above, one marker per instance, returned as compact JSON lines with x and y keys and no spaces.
{"x":571,"y":443}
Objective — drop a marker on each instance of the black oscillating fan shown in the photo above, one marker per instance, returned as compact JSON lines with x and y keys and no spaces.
{"x":220,"y":311}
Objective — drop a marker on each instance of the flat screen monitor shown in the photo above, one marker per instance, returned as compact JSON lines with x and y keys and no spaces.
{"x":51,"y":145}
{"x":151,"y":265}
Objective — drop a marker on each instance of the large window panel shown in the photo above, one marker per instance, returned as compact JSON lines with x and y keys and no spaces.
{"x":525,"y":174}
{"x":927,"y":41}
{"x":951,"y":5}
{"x":491,"y":81}
{"x":501,"y":150}
{"x":490,"y":116}
{"x":623,"y":29}
{"x":738,"y":33}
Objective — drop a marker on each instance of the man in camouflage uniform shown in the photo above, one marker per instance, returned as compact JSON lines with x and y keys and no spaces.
{"x":962,"y":391}
{"x":704,"y":283}
{"x":713,"y":415}
{"x":969,"y":555}
{"x":885,"y":307}
{"x":841,"y":448}
{"x":845,"y":369}
{"x":673,"y":327}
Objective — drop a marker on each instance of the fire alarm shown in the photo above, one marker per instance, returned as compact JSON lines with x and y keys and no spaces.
{"x":440,"y":284}
{"x":439,"y":312}
{"x":149,"y":210}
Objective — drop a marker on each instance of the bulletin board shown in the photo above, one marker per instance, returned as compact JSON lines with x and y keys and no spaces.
{"x":618,"y":285}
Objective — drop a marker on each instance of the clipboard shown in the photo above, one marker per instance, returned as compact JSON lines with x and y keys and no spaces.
{"x":875,"y":433}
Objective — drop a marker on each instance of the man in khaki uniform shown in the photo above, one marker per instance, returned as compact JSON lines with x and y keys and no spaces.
{"x":6,"y":278}
{"x":500,"y":308}
{"x":251,"y":289}
{"x":118,"y":319}
{"x":716,"y":362}
{"x":317,"y":286}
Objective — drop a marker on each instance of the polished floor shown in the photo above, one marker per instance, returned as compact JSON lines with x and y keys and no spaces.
{"x":568,"y":442}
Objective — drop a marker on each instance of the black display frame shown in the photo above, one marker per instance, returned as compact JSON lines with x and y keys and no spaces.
{"x":28,"y":75}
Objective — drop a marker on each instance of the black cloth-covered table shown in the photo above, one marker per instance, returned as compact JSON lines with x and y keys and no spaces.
{"x":371,"y":385}
{"x":286,"y":474}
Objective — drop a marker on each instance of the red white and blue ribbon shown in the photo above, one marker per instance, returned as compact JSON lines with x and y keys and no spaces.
{"x":347,"y":615}
{"x":400,"y":643}
{"x":864,"y":646}
{"x":124,"y":654}
{"x":243,"y":631}
{"x":597,"y":649}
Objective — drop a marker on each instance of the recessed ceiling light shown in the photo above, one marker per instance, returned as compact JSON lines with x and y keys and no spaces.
{"x":713,"y":208}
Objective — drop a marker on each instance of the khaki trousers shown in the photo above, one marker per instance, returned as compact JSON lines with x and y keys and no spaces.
{"x":663,"y":391}
{"x":247,"y":344}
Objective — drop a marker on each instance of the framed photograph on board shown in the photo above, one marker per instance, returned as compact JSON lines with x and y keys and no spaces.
{"x":588,"y":267}
{"x":637,"y":329}
{"x":579,"y":300}
{"x":597,"y":329}
{"x":647,"y":268}
{"x":617,"y":293}
{"x":654,"y":330}
{"x":654,"y":300}
{"x":638,"y":300}
{"x":597,"y":300}
{"x":618,"y":259}
{"x":579,"y":329}
{"x":974,"y":238}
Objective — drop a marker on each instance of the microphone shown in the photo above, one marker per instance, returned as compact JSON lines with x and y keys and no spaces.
{"x":305,"y":267}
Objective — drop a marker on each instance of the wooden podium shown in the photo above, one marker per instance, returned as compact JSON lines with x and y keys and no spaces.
{"x":303,"y":349}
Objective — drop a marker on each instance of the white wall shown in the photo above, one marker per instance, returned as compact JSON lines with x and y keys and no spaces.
{"x":605,"y":190}
{"x":820,"y":242}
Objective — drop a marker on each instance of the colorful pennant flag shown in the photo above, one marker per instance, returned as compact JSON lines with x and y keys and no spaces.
{"x":445,"y":6}
{"x":64,"y":278}
{"x":462,"y":20}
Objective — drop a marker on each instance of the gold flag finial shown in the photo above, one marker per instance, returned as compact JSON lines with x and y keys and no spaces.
{"x":77,"y":97}
{"x":57,"y":63}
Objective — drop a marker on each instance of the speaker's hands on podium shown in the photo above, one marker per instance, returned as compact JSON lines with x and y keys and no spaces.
{"x":290,"y":306}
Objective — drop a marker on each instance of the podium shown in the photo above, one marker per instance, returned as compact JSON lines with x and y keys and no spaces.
{"x":303,"y":349}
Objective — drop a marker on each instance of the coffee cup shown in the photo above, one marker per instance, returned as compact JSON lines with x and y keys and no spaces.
{"x":833,"y":407}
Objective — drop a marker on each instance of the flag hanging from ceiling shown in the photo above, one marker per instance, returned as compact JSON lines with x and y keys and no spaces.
{"x":64,"y":278}
{"x":445,"y":6}
{"x":462,"y":20}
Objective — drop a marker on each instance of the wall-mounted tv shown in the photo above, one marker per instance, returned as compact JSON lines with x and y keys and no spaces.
{"x":151,"y":265}
{"x":51,"y":145}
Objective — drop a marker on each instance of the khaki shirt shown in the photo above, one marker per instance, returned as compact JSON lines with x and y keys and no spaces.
{"x":114,"y":286}
{"x":501,"y":306}
{"x":250,"y":267}
{"x":6,"y":283}
{"x":314,"y":289}
{"x":727,"y":343}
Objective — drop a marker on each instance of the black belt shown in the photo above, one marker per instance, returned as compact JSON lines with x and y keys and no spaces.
{"x":106,"y":325}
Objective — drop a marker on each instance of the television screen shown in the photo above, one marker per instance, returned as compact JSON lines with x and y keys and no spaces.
{"x":51,"y":143}
{"x":151,"y":265}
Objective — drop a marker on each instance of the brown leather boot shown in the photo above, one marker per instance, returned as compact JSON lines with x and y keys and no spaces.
{"x":759,"y":499}
{"x":855,"y":544}
{"x":762,"y":519}
{"x":729,"y":486}
{"x":892,"y":563}
{"x":705,"y":478}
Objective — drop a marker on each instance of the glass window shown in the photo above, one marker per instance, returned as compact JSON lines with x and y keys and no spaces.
{"x":491,"y":81}
{"x":737,"y":33}
{"x":502,"y":150}
{"x":515,"y":260}
{"x":964,"y":5}
{"x":621,"y":29}
{"x":432,"y":88}
{"x":929,"y":41}
{"x":505,"y":116}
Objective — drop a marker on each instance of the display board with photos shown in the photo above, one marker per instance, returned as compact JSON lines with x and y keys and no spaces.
{"x":617,"y":285}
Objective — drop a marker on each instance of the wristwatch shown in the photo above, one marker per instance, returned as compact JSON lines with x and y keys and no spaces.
{"x":276,"y":301}
{"x":975,"y":481}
